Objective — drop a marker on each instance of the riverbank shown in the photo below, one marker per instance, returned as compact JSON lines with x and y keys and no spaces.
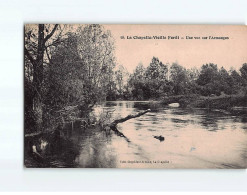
{"x":226,"y":102}
{"x":49,"y":149}
{"x":197,"y":101}
{"x":221,"y":102}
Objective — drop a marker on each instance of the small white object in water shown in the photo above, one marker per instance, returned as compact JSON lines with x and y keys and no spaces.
{"x":43,"y":144}
{"x":34,"y":148}
{"x":174,"y":105}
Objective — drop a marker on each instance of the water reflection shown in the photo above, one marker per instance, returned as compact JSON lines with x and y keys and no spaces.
{"x":193,"y":138}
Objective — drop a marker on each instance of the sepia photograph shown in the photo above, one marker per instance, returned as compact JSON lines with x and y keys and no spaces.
{"x":135,"y":96}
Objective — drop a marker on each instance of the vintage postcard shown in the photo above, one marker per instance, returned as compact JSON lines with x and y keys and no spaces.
{"x":135,"y":96}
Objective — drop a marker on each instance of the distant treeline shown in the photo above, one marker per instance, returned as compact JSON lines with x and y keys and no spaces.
{"x":159,"y":80}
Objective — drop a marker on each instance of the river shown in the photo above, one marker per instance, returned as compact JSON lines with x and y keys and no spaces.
{"x":193,"y":138}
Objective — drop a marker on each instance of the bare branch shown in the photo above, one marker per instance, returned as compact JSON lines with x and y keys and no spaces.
{"x":29,"y":56}
{"x":55,"y":43}
{"x":52,"y":32}
{"x":49,"y":58}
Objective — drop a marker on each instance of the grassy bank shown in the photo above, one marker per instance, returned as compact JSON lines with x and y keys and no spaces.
{"x":220,"y":102}
{"x":215,"y":102}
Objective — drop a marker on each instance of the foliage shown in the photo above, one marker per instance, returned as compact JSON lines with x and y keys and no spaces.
{"x":159,"y":80}
{"x":75,"y":71}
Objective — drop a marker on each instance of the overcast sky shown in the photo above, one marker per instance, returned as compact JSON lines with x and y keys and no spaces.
{"x":189,"y":53}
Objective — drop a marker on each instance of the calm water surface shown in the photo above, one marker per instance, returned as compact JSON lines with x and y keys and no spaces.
{"x":194,"y":138}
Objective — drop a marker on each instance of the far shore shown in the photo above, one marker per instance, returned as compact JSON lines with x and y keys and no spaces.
{"x":226,"y":102}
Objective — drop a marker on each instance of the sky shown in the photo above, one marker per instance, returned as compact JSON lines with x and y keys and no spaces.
{"x":189,"y":53}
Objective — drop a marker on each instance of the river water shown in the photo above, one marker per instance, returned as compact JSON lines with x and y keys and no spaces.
{"x":193,"y":138}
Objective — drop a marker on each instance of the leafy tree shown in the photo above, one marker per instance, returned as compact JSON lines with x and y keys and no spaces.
{"x":82,"y":68}
{"x":157,"y":70}
{"x":226,"y":81}
{"x":243,"y":71}
{"x":179,"y":79}
{"x":137,"y":82}
{"x":209,"y":79}
{"x":156,"y":77}
{"x":64,"y":76}
{"x":237,"y":81}
{"x":121,"y":76}
{"x":193,"y":74}
{"x":67,"y":69}
{"x":209,"y":73}
{"x":96,"y":50}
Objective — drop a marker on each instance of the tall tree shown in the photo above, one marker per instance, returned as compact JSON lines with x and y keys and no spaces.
{"x":209,"y":79}
{"x":96,"y":50}
{"x":237,"y":81}
{"x":156,"y":78}
{"x":226,"y":81}
{"x":243,"y":71}
{"x":137,"y":82}
{"x":156,"y":70}
{"x":179,"y":78}
{"x":35,"y":46}
{"x":121,"y":75}
{"x":82,"y":69}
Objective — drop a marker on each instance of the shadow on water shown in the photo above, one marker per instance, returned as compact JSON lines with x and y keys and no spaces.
{"x":110,"y":104}
{"x":209,"y":123}
{"x":96,"y":151}
{"x":187,"y":138}
{"x":100,"y":149}
{"x":153,"y":105}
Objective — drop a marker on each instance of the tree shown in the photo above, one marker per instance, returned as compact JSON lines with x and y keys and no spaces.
{"x":156,"y":78}
{"x":209,"y":73}
{"x":137,"y":82}
{"x":81,"y":69}
{"x":237,"y":79}
{"x":121,"y":75}
{"x":226,"y":81}
{"x":179,"y":79}
{"x":64,"y":75}
{"x":96,"y":50}
{"x":193,"y":74}
{"x":139,"y":73}
{"x":67,"y":68}
{"x":35,"y":46}
{"x":157,"y":70}
{"x":243,"y":71}
{"x":209,"y":79}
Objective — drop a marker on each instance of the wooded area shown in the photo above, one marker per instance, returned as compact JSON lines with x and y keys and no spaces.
{"x":160,"y":80}
{"x":65,"y":68}
{"x":69,"y":69}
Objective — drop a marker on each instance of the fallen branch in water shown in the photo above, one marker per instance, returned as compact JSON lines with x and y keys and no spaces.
{"x":113,"y":125}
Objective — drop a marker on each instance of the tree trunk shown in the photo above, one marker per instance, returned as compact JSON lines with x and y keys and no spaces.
{"x":38,"y":74}
{"x":38,"y":79}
